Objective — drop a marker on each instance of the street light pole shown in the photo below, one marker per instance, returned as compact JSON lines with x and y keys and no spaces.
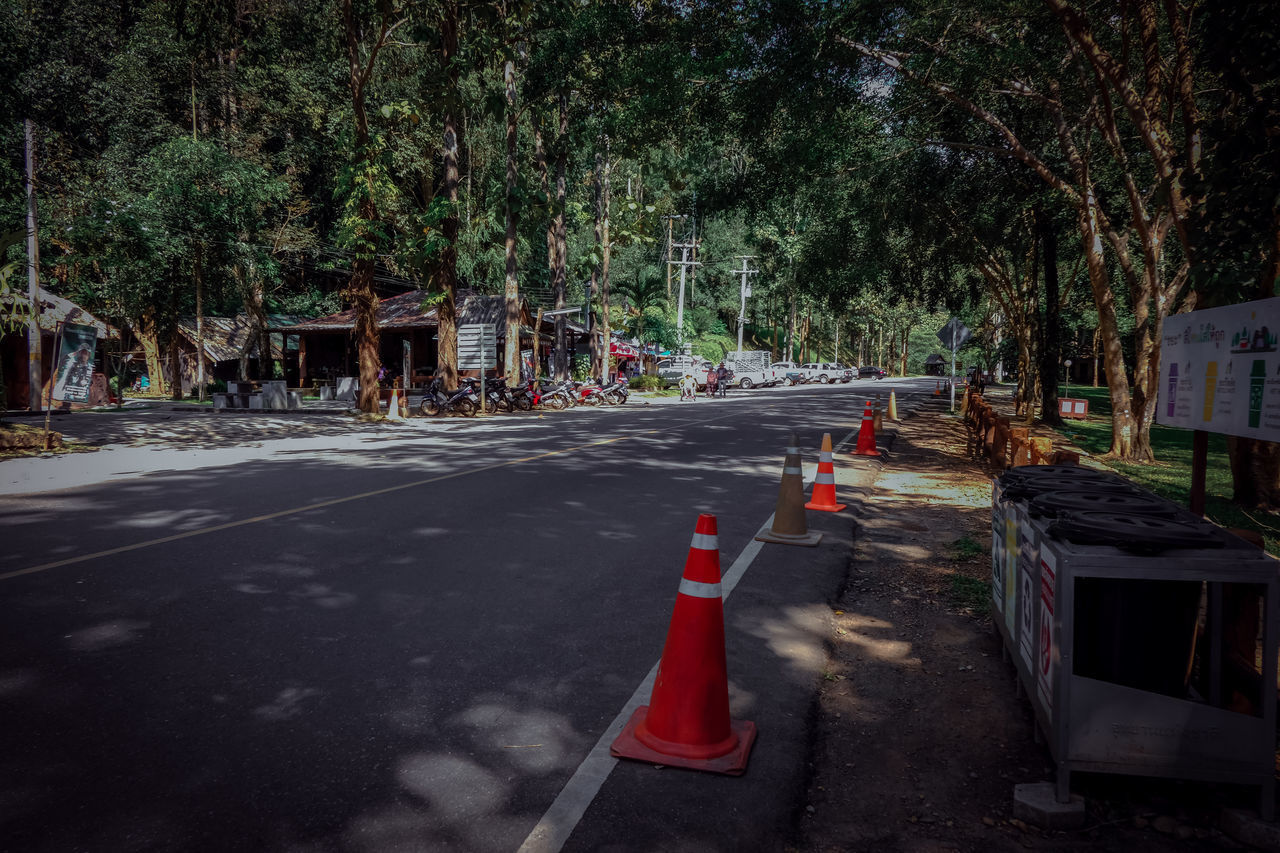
{"x":746,"y":291}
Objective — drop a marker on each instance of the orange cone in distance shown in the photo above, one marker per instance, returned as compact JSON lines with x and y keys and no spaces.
{"x":824,"y":484}
{"x":867,"y":435}
{"x":937,"y":389}
{"x":393,"y":407}
{"x":893,"y":406}
{"x":686,"y":723}
{"x":789,"y":525}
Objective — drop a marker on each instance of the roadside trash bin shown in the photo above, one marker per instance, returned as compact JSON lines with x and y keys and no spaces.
{"x":1120,"y":637}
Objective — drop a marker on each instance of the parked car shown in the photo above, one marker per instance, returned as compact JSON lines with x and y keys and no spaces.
{"x":746,"y":377}
{"x":672,"y":370}
{"x":822,"y":372}
{"x":846,"y":373}
{"x":869,"y":372}
{"x":790,"y":372}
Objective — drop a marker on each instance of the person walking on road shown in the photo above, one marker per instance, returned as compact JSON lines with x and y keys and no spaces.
{"x":722,"y":378}
{"x":712,"y":380}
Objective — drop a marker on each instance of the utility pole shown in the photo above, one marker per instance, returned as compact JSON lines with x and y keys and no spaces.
{"x":745,"y":292}
{"x":35,"y":375}
{"x":683,"y":263}
{"x":670,"y":218}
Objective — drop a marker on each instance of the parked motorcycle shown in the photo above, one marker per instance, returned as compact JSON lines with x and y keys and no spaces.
{"x":437,"y":401}
{"x":497,"y":396}
{"x":557,"y":395}
{"x":616,"y":393}
{"x":523,"y":395}
{"x":590,"y":393}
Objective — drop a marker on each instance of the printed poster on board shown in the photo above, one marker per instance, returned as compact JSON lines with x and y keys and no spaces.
{"x":75,"y":364}
{"x":1220,"y":370}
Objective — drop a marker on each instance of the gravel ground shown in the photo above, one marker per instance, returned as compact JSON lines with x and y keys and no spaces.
{"x":921,"y":736}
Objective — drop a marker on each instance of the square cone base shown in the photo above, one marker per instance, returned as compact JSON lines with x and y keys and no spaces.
{"x":732,"y":763}
{"x":825,"y":507}
{"x":808,"y":540}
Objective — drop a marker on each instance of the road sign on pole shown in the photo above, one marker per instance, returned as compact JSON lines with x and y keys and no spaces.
{"x":475,"y":342}
{"x":953,"y":336}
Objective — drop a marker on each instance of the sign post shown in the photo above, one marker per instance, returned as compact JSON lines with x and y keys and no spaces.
{"x":475,"y":340}
{"x":953,"y":336}
{"x":1220,"y":372}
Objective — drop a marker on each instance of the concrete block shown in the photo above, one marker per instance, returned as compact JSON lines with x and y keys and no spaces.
{"x":1247,"y":828}
{"x":1035,"y":803}
{"x":255,"y":402}
{"x":326,"y":392}
{"x":347,"y":387}
{"x":275,"y":394}
{"x":223,"y":401}
{"x":295,"y":400}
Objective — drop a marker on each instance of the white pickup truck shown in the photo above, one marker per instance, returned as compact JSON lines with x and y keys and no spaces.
{"x":751,"y":369}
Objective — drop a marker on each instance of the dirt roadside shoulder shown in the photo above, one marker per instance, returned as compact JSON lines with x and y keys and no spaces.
{"x":921,"y":736}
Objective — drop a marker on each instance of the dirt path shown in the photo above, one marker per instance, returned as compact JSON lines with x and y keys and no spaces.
{"x":921,"y":737}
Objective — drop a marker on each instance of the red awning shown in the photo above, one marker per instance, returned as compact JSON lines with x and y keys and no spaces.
{"x":623,"y":350}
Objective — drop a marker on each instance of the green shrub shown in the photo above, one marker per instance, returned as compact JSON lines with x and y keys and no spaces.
{"x":645,"y":383}
{"x":581,"y":368}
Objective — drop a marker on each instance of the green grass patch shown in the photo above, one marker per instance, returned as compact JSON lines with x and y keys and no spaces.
{"x":1170,"y":475}
{"x":970,"y":593}
{"x":966,"y":548}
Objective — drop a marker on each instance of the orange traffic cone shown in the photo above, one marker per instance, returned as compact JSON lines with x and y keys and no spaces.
{"x":867,"y":435}
{"x":937,"y":388}
{"x":893,"y":407}
{"x":393,"y":407}
{"x":686,"y":723}
{"x":789,"y":525}
{"x":824,"y":485}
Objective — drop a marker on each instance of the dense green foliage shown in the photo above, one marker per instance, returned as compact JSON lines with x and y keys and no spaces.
{"x":841,"y":145}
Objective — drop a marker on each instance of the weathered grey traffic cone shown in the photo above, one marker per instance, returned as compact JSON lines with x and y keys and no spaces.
{"x":789,"y":524}
{"x":877,"y":417}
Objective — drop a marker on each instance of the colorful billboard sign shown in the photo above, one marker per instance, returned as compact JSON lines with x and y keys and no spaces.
{"x":1220,"y":370}
{"x":75,"y":363}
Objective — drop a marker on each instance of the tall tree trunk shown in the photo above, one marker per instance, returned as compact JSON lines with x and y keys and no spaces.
{"x":446,"y":310}
{"x":149,"y":337}
{"x":359,"y":291}
{"x":198,"y":273}
{"x":606,"y":253}
{"x":597,"y":350}
{"x":544,"y":184}
{"x":511,"y":362}
{"x":175,"y":351}
{"x":791,"y":328}
{"x":1050,"y":340}
{"x":559,"y":277}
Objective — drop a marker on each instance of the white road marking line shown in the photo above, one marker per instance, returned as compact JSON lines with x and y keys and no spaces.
{"x":565,"y":812}
{"x":563,"y":815}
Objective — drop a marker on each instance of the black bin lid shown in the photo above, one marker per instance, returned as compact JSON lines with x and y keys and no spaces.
{"x":1016,"y":485}
{"x":1097,"y":500}
{"x":1140,"y":533}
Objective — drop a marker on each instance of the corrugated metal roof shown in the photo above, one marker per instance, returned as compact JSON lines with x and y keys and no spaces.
{"x":406,"y":311}
{"x":55,"y":309}
{"x":225,"y":336}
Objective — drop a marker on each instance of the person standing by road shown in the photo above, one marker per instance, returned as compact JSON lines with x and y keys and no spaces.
{"x":712,"y":380}
{"x":722,"y":378}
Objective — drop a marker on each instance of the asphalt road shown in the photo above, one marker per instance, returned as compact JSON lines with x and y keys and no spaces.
{"x":410,"y":640}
